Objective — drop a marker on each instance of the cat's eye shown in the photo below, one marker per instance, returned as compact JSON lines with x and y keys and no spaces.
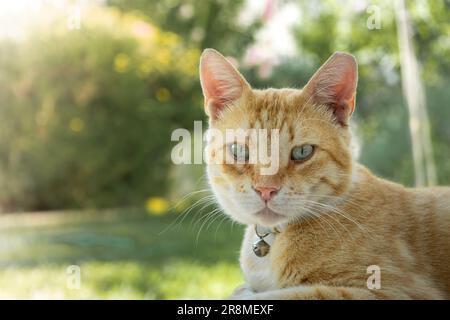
{"x":240,"y":152}
{"x":302,"y":153}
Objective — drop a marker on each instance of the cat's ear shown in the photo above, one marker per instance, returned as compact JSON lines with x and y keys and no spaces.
{"x":221,"y":82}
{"x":334,"y":85}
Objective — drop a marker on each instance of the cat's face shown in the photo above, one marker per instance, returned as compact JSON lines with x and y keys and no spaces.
{"x":311,"y":164}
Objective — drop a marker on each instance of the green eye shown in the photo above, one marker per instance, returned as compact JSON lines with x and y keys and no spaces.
{"x":302,"y":153}
{"x":239,"y":151}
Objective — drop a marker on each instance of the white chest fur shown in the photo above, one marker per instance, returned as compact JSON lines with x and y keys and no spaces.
{"x":257,"y":270}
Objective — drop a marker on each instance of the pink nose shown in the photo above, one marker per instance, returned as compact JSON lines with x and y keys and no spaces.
{"x":267,"y":193}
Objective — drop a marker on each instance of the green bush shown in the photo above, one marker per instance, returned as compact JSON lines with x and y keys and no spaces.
{"x":87,"y":114}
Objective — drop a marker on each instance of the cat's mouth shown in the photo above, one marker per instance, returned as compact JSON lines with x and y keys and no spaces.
{"x":269,"y":217}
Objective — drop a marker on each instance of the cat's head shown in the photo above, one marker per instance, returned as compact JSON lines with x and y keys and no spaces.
{"x":314,"y":162}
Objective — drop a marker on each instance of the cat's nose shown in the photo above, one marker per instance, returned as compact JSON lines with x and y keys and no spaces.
{"x":267,"y":193}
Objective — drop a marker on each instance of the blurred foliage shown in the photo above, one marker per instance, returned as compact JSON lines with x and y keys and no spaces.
{"x":206,"y":24}
{"x":90,"y":112}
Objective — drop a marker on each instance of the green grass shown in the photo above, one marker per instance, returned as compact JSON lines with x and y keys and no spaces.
{"x":122,"y":254}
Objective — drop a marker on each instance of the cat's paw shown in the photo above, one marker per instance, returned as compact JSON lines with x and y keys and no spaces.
{"x":243,"y":292}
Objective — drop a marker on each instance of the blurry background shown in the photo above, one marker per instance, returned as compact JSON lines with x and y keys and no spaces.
{"x":90,"y":92}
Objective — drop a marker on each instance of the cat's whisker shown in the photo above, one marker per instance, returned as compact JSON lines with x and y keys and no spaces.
{"x":205,"y":217}
{"x":330,"y":216}
{"x":217,"y":216}
{"x":321,"y":216}
{"x":208,"y":217}
{"x":190,"y":194}
{"x":344,"y":215}
{"x":341,"y":198}
{"x":206,"y":204}
{"x":200,"y":212}
{"x":333,"y":209}
{"x":180,"y":216}
{"x":300,"y":219}
{"x":188,"y":210}
{"x":224,"y":218}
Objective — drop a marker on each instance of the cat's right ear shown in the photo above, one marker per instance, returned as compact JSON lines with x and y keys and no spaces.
{"x":221,"y":82}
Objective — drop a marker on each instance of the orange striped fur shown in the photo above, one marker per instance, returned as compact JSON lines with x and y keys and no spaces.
{"x":336,"y":218}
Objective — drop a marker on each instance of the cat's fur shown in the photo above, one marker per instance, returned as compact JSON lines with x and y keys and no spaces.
{"x":336,"y":218}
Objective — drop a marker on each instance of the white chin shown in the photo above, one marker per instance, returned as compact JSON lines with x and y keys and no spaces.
{"x":269,"y":218}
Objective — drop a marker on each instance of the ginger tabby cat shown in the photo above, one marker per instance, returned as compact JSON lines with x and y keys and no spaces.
{"x":328,"y":217}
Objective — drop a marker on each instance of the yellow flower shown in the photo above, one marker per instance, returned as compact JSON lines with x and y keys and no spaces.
{"x":163,"y":94}
{"x":121,"y":62}
{"x":163,"y":58}
{"x":156,"y":205}
{"x":76,"y":124}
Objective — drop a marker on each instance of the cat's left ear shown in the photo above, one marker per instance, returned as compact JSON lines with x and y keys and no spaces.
{"x":334,"y":85}
{"x":221,"y":83}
